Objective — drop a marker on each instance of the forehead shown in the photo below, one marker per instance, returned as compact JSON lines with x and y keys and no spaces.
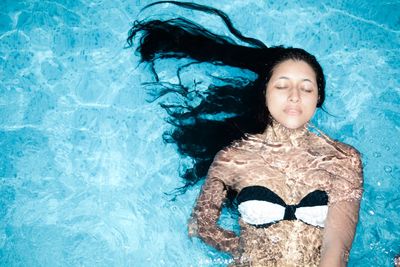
{"x":293,"y":69}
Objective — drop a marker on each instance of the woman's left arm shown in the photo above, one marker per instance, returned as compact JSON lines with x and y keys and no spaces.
{"x":342,"y":218}
{"x":339,"y":231}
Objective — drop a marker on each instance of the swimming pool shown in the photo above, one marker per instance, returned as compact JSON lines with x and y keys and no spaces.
{"x":84,"y":173}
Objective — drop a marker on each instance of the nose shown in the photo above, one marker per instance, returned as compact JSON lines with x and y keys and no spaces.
{"x":294,"y":95}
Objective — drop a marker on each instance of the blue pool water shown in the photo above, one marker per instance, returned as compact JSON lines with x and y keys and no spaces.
{"x":83,"y":169}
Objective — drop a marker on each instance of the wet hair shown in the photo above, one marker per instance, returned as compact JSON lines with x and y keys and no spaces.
{"x":206,"y":122}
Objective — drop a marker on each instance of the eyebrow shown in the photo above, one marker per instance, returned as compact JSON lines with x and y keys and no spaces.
{"x":308,"y":80}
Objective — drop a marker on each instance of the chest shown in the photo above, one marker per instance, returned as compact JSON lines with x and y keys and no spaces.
{"x":291,"y":173}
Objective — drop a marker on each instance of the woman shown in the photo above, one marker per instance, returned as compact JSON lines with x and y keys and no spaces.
{"x":298,"y":193}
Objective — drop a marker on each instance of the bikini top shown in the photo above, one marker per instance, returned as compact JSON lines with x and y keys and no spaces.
{"x":261,"y":207}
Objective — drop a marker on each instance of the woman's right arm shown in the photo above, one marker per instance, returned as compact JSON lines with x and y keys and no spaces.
{"x":204,"y":221}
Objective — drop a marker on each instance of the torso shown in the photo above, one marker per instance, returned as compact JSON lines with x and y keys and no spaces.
{"x":291,"y":171}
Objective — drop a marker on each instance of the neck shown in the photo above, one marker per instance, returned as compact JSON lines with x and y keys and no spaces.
{"x":279,"y":134}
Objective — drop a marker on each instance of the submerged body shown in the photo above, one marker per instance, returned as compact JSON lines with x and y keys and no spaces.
{"x":292,"y":164}
{"x":298,"y":193}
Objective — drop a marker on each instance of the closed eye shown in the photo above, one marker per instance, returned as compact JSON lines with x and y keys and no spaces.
{"x":307,"y":90}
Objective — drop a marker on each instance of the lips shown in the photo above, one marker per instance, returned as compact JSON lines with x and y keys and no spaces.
{"x":292,"y":111}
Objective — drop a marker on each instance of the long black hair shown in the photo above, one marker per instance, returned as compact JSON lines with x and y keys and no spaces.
{"x":199,"y":132}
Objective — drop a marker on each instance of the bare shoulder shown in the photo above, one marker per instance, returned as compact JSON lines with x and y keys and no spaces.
{"x":348,"y":150}
{"x":232,"y":151}
{"x":225,"y":164}
{"x":352,"y":158}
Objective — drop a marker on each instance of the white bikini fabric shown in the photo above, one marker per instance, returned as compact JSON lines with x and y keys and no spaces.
{"x":259,"y":212}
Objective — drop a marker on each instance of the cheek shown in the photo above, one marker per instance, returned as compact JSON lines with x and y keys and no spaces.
{"x":311,"y":100}
{"x":273,"y":98}
{"x":270,"y":102}
{"x":311,"y":105}
{"x":267,"y":98}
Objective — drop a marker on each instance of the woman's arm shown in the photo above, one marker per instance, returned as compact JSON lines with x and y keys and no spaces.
{"x":208,"y":209}
{"x":342,"y":218}
{"x":340,"y":227}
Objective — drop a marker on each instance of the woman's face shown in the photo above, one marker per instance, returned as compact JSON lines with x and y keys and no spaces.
{"x":292,"y":93}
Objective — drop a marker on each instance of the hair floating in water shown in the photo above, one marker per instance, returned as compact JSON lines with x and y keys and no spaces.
{"x":199,"y":129}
